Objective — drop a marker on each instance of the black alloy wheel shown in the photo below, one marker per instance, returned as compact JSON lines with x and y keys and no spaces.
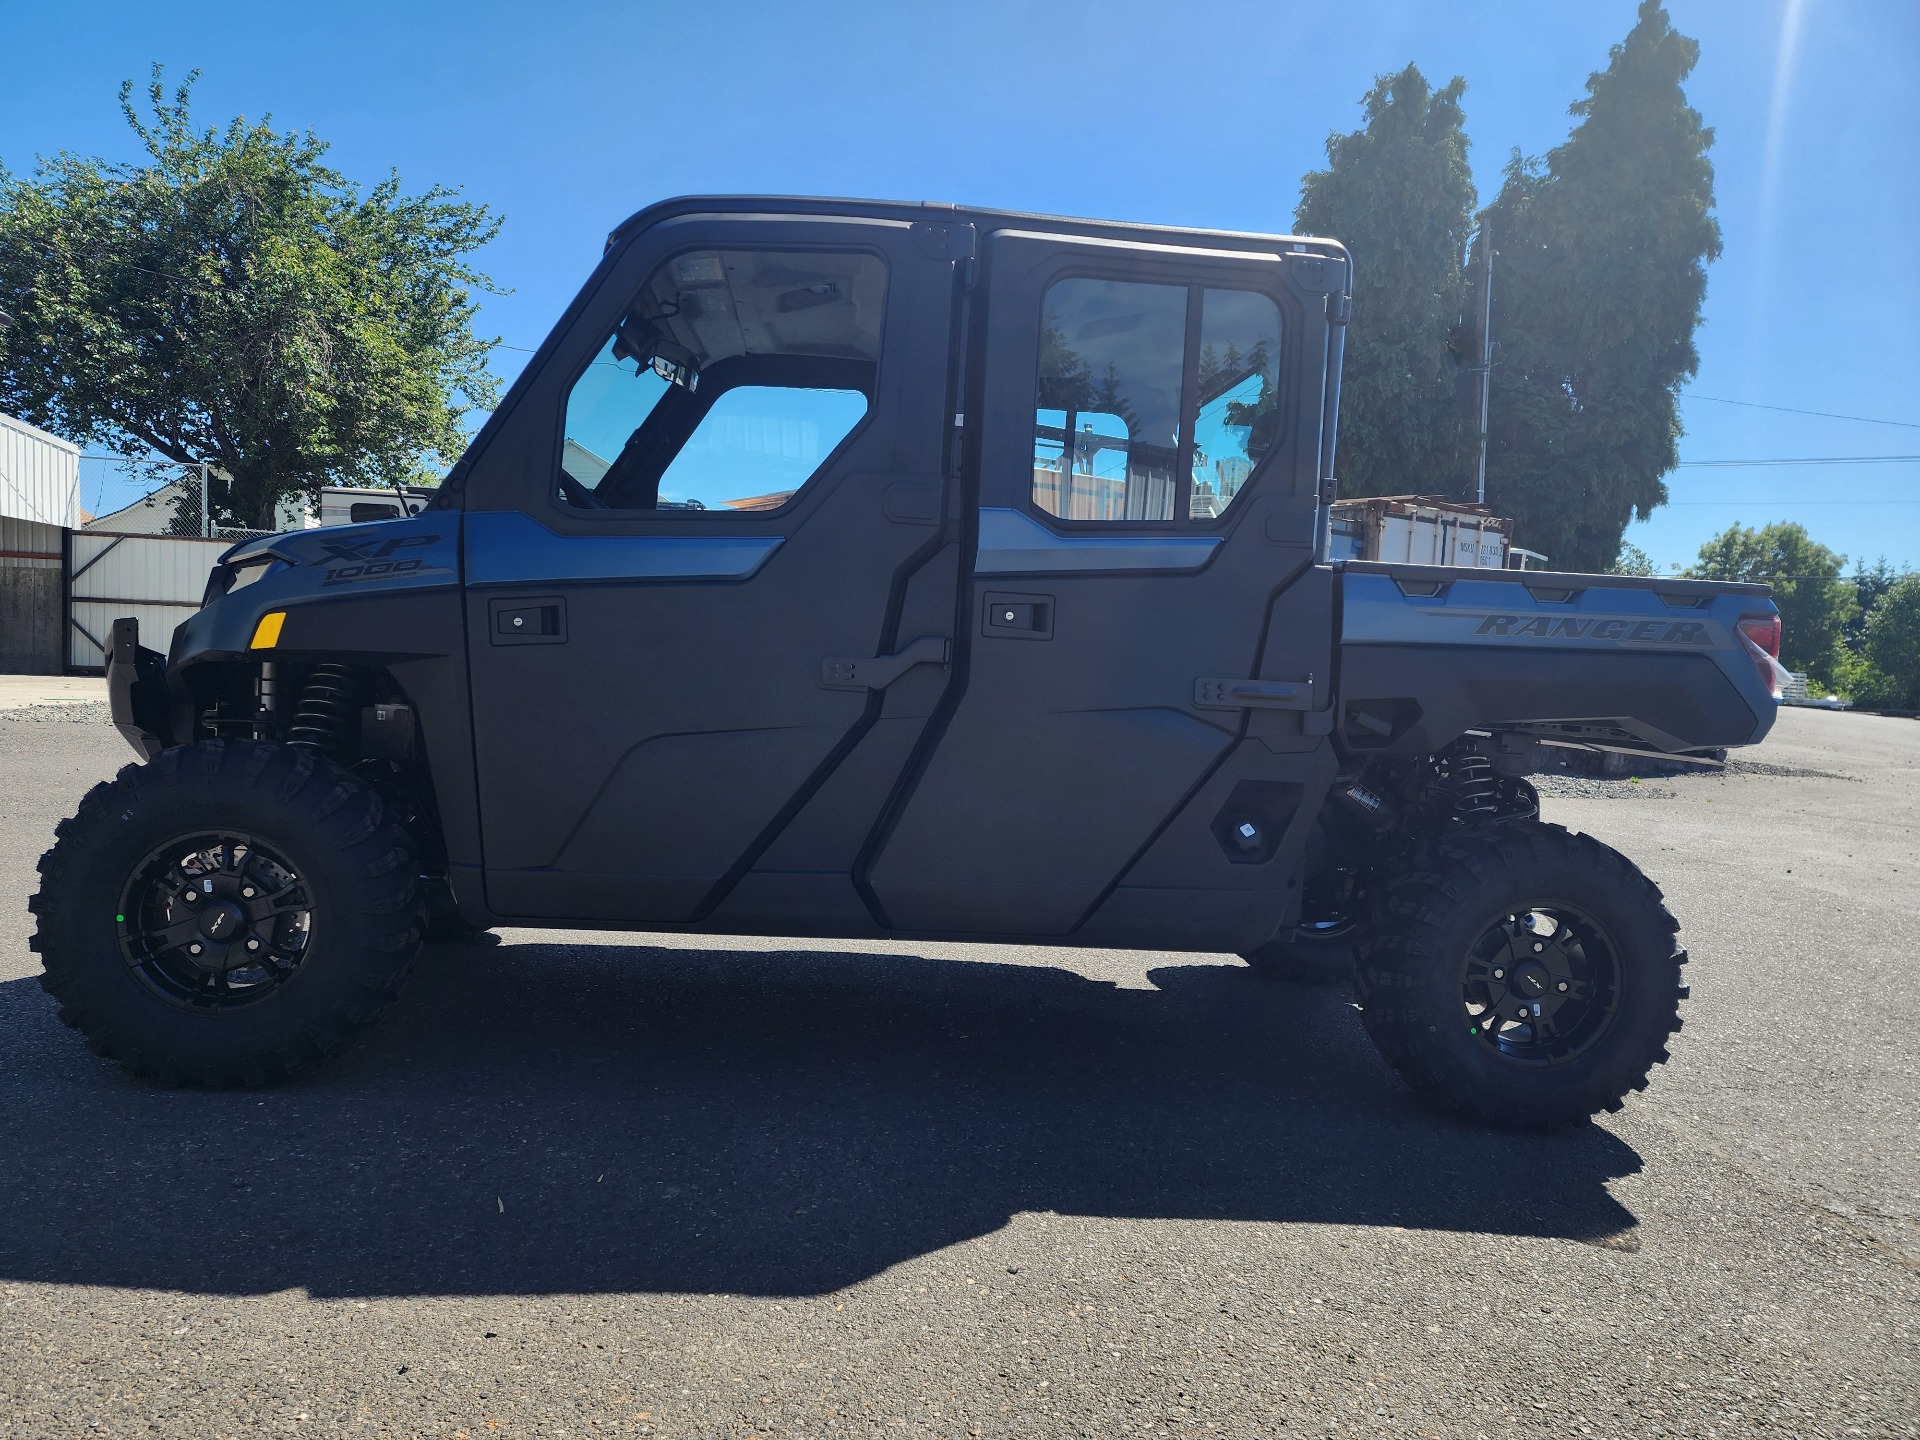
{"x":1522,"y":976}
{"x":1542,"y":986}
{"x":230,"y":913}
{"x":212,"y":922}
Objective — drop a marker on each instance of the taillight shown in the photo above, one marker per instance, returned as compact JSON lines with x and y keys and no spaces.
{"x":1762,"y":634}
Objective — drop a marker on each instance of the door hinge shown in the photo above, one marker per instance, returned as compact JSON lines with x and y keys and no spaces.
{"x":1339,"y":309}
{"x":945,"y":239}
{"x":843,"y":672}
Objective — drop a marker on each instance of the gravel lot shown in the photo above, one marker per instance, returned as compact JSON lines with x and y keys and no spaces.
{"x":582,"y":1185}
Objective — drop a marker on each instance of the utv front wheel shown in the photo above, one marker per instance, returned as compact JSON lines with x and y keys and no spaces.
{"x":1525,"y":977}
{"x":231,"y":913}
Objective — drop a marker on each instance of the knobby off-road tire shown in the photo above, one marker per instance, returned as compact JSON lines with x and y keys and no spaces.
{"x":316,"y":889}
{"x":1505,"y":924}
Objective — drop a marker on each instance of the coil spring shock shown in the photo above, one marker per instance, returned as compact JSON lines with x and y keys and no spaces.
{"x":326,"y":705}
{"x":1468,"y":778}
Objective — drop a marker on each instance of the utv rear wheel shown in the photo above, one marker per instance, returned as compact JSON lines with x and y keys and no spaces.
{"x":1524,"y":977}
{"x":231,"y":913}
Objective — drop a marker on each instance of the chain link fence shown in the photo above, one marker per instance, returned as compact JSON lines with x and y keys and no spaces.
{"x":177,"y":503}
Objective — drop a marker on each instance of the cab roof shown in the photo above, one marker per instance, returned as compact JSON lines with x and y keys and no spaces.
{"x":981,"y":217}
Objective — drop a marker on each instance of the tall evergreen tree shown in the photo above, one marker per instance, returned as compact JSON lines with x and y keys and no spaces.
{"x":1602,"y":251}
{"x":1398,"y":192}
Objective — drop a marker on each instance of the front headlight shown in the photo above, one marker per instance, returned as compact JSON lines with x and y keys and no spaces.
{"x":226,"y":578}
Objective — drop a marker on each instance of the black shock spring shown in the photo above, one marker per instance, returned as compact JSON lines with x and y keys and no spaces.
{"x":326,"y":707}
{"x":1475,"y":791}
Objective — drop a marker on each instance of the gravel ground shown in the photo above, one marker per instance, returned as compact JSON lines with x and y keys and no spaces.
{"x":583,"y":1185}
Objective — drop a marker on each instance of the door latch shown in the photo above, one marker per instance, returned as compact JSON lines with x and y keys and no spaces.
{"x":540,"y":620}
{"x":845,"y":672}
{"x":1018,"y":617}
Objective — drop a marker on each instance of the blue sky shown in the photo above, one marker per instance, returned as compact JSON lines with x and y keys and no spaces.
{"x":567,"y":117}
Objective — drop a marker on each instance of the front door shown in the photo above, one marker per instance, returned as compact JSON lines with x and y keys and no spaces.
{"x":1149,"y":458}
{"x":704,"y":548}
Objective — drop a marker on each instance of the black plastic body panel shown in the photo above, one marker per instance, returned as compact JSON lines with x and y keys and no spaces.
{"x":1671,"y":702}
{"x":137,"y":691}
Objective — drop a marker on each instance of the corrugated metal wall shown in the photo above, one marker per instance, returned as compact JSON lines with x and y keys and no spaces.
{"x":31,"y":579}
{"x":39,"y":475}
{"x":157,"y":579}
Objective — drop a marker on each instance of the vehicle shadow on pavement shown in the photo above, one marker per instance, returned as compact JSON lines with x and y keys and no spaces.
{"x":537,"y":1118}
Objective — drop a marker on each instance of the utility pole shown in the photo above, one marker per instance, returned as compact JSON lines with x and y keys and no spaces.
{"x":1485,"y":367}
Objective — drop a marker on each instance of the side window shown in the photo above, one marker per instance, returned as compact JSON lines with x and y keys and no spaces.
{"x":757,"y":445}
{"x":1125,"y":428}
{"x":728,"y":383}
{"x":1106,"y":428}
{"x":1238,"y":403}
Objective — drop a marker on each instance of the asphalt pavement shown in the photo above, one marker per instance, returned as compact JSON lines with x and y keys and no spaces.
{"x":579,"y":1184}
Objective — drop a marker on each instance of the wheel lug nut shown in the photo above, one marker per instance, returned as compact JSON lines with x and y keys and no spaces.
{"x":1538,"y":947}
{"x":1499,"y":974}
{"x":1561,"y":987}
{"x":255,"y":945}
{"x":190,"y":896}
{"x":247,"y":891}
{"x":193,"y":949}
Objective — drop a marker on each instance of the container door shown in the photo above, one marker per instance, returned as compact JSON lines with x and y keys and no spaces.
{"x":1150,"y":430}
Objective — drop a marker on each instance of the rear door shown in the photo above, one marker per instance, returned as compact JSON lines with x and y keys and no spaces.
{"x":703,"y":550}
{"x":1149,"y":436}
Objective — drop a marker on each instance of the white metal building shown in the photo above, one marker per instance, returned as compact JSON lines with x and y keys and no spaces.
{"x":39,"y":503}
{"x":39,"y":476}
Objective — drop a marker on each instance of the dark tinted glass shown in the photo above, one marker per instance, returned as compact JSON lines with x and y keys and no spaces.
{"x":1239,"y":381}
{"x":1106,"y":439}
{"x":728,"y":381}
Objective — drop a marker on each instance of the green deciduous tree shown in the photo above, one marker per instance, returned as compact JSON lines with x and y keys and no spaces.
{"x":236,"y":301}
{"x":1815,"y":603}
{"x":1885,"y":670}
{"x":1893,"y":640}
{"x":1602,"y":249}
{"x":1868,"y":586}
{"x":1399,"y":193}
{"x":1632,"y":560}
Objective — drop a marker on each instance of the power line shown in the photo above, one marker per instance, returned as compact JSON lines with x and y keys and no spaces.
{"x":1791,"y":410}
{"x":1833,"y":579}
{"x":123,"y":460}
{"x":1806,"y":460}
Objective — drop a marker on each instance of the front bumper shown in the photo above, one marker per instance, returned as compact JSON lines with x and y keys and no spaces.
{"x":137,"y":691}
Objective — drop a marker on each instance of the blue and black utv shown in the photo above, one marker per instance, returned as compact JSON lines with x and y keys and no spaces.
{"x":853,"y":569}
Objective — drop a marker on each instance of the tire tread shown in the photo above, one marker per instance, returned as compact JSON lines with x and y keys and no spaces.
{"x":350,"y":820}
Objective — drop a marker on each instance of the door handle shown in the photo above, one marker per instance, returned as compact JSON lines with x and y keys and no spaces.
{"x":844,"y":672}
{"x":529,"y":620}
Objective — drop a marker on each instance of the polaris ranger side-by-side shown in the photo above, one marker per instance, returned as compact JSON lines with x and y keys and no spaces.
{"x":852,"y":569}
